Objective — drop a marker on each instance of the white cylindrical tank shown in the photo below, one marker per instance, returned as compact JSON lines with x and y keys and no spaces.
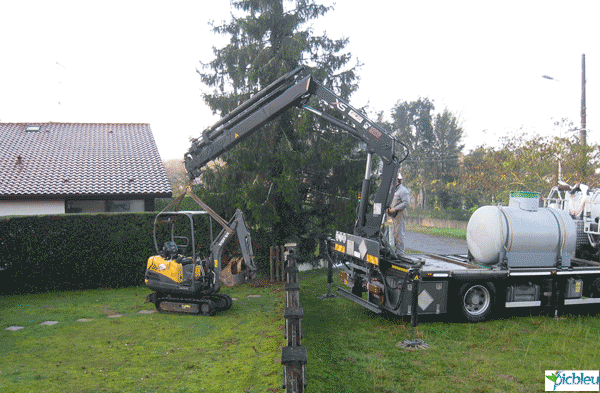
{"x":529,"y":238}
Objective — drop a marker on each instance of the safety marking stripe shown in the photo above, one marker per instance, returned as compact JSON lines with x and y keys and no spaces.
{"x":399,"y":268}
{"x":372,"y":259}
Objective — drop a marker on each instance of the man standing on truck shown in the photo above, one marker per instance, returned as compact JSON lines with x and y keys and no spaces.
{"x":397,"y":211}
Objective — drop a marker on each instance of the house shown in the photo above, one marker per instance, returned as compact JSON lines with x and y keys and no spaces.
{"x":56,"y":168}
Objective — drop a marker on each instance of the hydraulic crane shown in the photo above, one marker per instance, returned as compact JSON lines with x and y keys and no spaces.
{"x":367,"y":257}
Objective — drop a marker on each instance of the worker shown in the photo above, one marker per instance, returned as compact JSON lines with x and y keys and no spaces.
{"x":397,"y":211}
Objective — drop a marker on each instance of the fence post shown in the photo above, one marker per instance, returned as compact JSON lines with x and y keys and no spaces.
{"x":277,"y":263}
{"x":271,"y":267}
{"x":283,"y":254}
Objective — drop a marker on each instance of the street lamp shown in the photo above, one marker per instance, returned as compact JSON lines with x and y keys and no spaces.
{"x":550,"y":78}
{"x":582,"y":130}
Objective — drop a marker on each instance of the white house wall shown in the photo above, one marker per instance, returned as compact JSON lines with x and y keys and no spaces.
{"x":32,"y":207}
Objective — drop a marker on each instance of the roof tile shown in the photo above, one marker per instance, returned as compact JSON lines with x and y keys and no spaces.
{"x":85,"y":159}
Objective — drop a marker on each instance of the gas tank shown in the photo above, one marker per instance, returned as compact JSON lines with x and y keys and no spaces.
{"x":531,"y":237}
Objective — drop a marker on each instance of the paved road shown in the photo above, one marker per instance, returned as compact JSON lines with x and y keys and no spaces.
{"x":434,"y":244}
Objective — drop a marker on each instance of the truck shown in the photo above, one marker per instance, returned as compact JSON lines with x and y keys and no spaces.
{"x":521,"y":255}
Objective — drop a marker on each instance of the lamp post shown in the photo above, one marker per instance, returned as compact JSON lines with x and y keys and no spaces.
{"x":582,"y":129}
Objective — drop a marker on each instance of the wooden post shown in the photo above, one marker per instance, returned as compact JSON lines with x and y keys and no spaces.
{"x":277,"y":262}
{"x":271,"y":262}
{"x":282,"y":263}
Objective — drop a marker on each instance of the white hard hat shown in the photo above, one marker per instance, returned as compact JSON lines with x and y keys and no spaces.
{"x":399,"y":177}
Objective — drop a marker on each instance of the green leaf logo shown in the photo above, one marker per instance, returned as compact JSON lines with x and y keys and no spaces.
{"x":552,"y":377}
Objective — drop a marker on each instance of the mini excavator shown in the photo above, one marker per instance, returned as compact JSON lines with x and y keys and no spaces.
{"x":183,"y":281}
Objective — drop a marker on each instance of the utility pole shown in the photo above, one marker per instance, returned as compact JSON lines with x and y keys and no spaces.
{"x":582,"y":131}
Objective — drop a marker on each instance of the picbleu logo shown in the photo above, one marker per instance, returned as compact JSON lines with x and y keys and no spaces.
{"x":572,"y":381}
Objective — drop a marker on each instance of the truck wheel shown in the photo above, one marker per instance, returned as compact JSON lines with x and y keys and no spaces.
{"x":476,"y":301}
{"x":594,"y":288}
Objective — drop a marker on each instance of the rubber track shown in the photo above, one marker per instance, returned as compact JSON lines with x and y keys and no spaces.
{"x":199,"y":302}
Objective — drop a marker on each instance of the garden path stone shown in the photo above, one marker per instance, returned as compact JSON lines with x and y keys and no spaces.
{"x":254,"y":295}
{"x":50,"y":323}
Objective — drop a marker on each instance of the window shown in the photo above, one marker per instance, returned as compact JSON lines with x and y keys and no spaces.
{"x":118,"y":206}
{"x":33,"y":128}
{"x":103,"y":206}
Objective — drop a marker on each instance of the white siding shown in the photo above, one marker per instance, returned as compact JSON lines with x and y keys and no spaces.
{"x":31,"y":207}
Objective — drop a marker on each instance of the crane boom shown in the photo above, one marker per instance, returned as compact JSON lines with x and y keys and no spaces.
{"x":294,"y":89}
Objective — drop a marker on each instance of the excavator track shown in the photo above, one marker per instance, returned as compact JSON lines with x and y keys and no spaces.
{"x":205,"y":306}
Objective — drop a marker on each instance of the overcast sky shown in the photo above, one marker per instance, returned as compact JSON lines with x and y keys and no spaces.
{"x":135,"y":61}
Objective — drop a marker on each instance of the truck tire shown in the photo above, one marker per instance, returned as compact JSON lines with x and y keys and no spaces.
{"x":594,"y":288}
{"x":477,"y":301}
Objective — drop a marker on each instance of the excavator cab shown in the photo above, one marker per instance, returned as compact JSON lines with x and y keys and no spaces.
{"x":178,"y":269}
{"x":189,"y":264}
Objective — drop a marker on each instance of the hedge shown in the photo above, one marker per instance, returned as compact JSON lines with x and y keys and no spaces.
{"x":75,"y":251}
{"x":85,"y":251}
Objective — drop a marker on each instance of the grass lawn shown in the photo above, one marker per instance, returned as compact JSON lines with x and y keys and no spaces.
{"x":349,"y":348}
{"x":445,"y":232}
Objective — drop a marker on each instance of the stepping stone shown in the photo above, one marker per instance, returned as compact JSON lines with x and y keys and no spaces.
{"x":49,"y":323}
{"x":147,"y":312}
{"x":234,"y":298}
{"x":114,"y":316}
{"x":14,"y":328}
{"x":254,"y":295}
{"x":85,"y":320}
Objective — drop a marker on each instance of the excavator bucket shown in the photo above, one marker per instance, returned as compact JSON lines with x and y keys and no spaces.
{"x":235,"y":273}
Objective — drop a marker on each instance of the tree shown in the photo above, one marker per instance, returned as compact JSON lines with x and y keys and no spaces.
{"x":293,"y":177}
{"x":176,"y":174}
{"x":445,"y":149}
{"x":414,"y":127}
{"x":525,"y":163}
{"x":435,"y":146}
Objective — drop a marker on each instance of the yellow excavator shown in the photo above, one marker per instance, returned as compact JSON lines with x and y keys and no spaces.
{"x":186,"y":282}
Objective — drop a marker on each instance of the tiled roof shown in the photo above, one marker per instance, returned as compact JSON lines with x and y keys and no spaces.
{"x":80,"y":159}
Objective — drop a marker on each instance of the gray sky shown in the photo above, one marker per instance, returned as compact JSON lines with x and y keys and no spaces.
{"x":135,"y":61}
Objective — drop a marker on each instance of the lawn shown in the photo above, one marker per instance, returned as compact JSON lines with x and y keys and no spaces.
{"x":349,"y":348}
{"x":444,"y":232}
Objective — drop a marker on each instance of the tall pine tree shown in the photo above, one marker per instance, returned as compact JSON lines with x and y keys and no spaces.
{"x":296,"y":178}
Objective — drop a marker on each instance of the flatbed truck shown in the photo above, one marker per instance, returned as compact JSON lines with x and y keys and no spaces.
{"x":519,"y":256}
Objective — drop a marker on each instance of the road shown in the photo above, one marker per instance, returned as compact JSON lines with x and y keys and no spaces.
{"x":434,"y":244}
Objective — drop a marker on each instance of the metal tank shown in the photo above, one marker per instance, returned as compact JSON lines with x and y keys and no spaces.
{"x":521,"y":234}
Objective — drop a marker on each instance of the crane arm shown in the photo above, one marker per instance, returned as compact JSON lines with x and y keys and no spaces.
{"x":294,"y":89}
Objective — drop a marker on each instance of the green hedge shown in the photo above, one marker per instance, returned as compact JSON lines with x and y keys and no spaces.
{"x":79,"y":251}
{"x":85,"y":251}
